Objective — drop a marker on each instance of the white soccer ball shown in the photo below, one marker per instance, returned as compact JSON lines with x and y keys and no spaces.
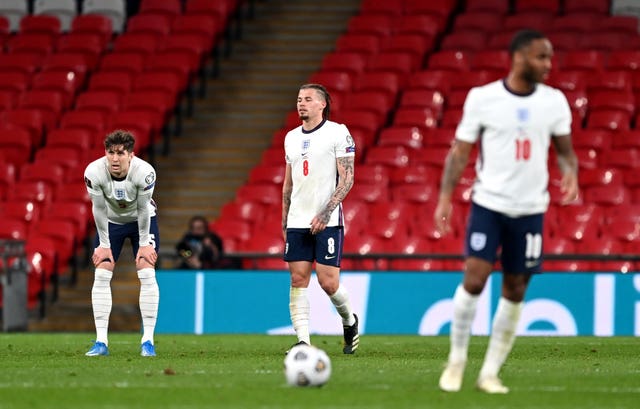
{"x":306,"y":365}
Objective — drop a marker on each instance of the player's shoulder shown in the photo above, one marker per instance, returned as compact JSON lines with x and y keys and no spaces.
{"x":549,"y":90}
{"x":96,"y":167}
{"x":142,"y":170}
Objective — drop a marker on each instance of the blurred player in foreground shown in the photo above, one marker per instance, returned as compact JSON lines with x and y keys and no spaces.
{"x":121,"y":185}
{"x":319,"y":174}
{"x":513,"y":120}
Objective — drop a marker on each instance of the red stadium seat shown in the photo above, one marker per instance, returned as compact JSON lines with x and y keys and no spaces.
{"x":75,"y":212}
{"x":414,"y":193}
{"x":369,"y":193}
{"x":7,"y":179}
{"x":423,"y":118}
{"x":612,"y":100}
{"x":93,"y":24}
{"x":352,"y":63}
{"x":375,"y":173}
{"x":451,"y":118}
{"x":339,"y":82}
{"x":399,"y":62}
{"x":607,"y":195}
{"x":105,"y":102}
{"x":119,"y":82}
{"x":500,"y":40}
{"x":601,"y":177}
{"x":493,"y":60}
{"x":30,"y":120}
{"x":387,"y":228}
{"x":466,"y":41}
{"x":39,"y":192}
{"x":129,"y":63}
{"x":267,"y":174}
{"x":366,"y":44}
{"x":624,"y":158}
{"x":387,"y":82}
{"x":604,"y":41}
{"x":378,"y":102}
{"x":20,"y":63}
{"x":410,"y":137}
{"x":66,"y":158}
{"x":371,"y":24}
{"x":268,"y":193}
{"x":449,"y":60}
{"x":626,"y":24}
{"x":586,"y":6}
{"x":420,"y":24}
{"x":537,"y":20}
{"x":423,"y":98}
{"x":481,"y":21}
{"x":65,"y":82}
{"x":430,"y":156}
{"x":154,"y":24}
{"x":614,"y":120}
{"x":49,"y":173}
{"x":63,"y":234}
{"x":491,"y":6}
{"x":235,"y":229}
{"x":40,"y":24}
{"x":393,"y":156}
{"x":219,"y":10}
{"x":384,"y":7}
{"x":91,"y":46}
{"x":77,"y":139}
{"x":626,"y":140}
{"x":49,"y":103}
{"x":625,"y":60}
{"x":417,"y":45}
{"x":366,"y":121}
{"x":611,"y":80}
{"x":13,"y":229}
{"x":250,"y":211}
{"x":549,"y":6}
{"x":569,"y":80}
{"x":92,"y":121}
{"x":588,"y":60}
{"x":439,"y":80}
{"x":23,"y":210}
{"x":415,"y":174}
{"x":575,"y":23}
{"x":75,"y":63}
{"x":41,"y":44}
{"x":136,"y":43}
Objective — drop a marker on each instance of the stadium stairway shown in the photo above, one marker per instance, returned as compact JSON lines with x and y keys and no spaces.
{"x":280,"y":47}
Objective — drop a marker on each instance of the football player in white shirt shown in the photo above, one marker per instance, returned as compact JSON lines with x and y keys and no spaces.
{"x":121,"y":186}
{"x":513,"y":120}
{"x":319,"y":174}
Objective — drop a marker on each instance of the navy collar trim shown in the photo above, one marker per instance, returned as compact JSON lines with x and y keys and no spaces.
{"x":517,"y":94}
{"x":316,"y":128}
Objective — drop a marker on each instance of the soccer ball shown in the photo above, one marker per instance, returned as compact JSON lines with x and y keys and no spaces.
{"x":306,"y":365}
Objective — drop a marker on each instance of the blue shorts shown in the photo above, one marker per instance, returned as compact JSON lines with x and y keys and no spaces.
{"x":519,"y":237}
{"x":324,"y":247}
{"x":119,"y":232}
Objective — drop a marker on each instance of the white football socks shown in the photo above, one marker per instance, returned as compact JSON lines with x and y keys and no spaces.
{"x":149,"y":298}
{"x":464,"y":311}
{"x":101,"y":302}
{"x":340,"y":300}
{"x":299,"y":311}
{"x":503,"y":334}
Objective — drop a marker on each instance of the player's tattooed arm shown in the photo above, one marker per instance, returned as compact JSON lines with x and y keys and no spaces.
{"x":346,"y":177}
{"x":287,"y":188}
{"x":454,"y":165}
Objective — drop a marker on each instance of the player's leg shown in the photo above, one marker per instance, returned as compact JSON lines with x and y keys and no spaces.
{"x":101,"y":299}
{"x":480,"y":247}
{"x":328,"y":257}
{"x":299,"y":255}
{"x":522,"y":250}
{"x":149,"y":291}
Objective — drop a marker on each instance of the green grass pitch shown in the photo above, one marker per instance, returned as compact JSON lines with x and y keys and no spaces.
{"x":246,"y":371}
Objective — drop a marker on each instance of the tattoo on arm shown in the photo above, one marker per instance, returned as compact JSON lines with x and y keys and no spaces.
{"x":454,"y":165}
{"x":345,"y":182}
{"x":287,"y":188}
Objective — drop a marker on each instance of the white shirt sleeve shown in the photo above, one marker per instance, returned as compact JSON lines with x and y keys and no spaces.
{"x":146,"y":186}
{"x":345,"y":145}
{"x":563,"y":124}
{"x":468,"y":129}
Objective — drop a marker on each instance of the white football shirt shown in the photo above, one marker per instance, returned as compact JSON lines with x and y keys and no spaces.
{"x":514,"y":133}
{"x":312,"y":156}
{"x":121,"y":195}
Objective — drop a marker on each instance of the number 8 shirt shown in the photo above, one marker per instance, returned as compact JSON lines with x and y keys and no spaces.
{"x":514,"y":133}
{"x":312,"y":156}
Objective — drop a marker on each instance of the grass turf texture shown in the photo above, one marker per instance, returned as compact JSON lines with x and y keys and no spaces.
{"x":246,"y":371}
